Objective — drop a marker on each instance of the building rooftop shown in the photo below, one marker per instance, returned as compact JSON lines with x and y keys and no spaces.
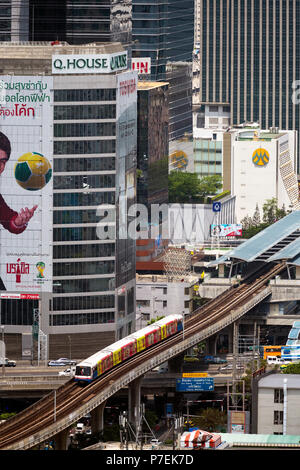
{"x":148,"y":85}
{"x":272,"y":243}
{"x":45,"y":50}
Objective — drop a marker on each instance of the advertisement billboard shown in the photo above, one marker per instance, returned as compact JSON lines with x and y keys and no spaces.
{"x":26,"y":163}
{"x":226,"y":230}
{"x":141,"y":64}
{"x":89,"y":63}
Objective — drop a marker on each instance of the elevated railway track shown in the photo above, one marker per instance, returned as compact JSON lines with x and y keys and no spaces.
{"x":63,"y":407}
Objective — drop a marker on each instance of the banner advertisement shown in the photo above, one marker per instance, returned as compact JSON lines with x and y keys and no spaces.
{"x":226,"y":230}
{"x":126,"y":170}
{"x":26,"y":162}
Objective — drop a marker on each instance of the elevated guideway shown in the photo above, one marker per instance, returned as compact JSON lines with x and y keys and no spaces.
{"x":53,"y":415}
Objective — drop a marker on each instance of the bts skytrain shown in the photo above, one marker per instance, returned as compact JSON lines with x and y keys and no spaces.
{"x":104,"y":360}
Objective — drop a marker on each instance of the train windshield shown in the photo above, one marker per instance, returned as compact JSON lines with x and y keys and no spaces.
{"x":84,"y":371}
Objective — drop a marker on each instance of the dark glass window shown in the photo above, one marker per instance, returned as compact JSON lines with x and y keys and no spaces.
{"x":84,"y":147}
{"x":106,"y":94}
{"x":83,"y":251}
{"x":84,"y":164}
{"x":104,"y":111}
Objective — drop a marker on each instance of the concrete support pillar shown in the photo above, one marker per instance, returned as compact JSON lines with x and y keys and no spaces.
{"x":97,"y":418}
{"x":221,"y":270}
{"x":176,"y":363}
{"x":61,"y":440}
{"x":134,"y":401}
{"x":297,"y":272}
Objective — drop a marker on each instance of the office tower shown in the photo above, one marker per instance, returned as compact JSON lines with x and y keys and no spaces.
{"x":85,"y":122}
{"x":73,"y":21}
{"x":250,"y":57}
{"x":164,"y":31}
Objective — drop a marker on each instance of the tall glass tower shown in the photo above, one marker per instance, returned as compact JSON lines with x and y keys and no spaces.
{"x":164,"y":31}
{"x":250,"y":57}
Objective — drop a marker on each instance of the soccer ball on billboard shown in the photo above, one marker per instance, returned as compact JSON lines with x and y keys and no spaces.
{"x":33,"y":171}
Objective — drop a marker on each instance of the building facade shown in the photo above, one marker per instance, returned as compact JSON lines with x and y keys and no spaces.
{"x":276,"y":404}
{"x":250,"y":60}
{"x":91,"y":302}
{"x":164,"y":31}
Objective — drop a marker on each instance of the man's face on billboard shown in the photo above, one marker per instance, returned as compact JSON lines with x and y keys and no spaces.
{"x":3,"y":160}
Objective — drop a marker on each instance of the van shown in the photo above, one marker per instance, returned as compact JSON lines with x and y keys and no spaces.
{"x":276,"y":360}
{"x":79,"y":428}
{"x":273,"y":360}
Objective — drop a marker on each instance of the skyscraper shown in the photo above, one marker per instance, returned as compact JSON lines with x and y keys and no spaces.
{"x":164,"y":31}
{"x":73,"y":21}
{"x":250,"y":57}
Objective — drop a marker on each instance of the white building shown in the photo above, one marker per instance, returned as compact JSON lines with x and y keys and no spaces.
{"x":262,"y":166}
{"x":157,"y":296}
{"x":255,"y":164}
{"x":278,"y":405}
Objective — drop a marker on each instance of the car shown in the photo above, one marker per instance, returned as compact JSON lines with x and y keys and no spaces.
{"x":70,"y":372}
{"x":229,"y":368}
{"x":155,"y":442}
{"x":8,"y":363}
{"x":214,"y":360}
{"x":62,"y":361}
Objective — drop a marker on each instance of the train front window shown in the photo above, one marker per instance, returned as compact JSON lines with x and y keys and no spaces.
{"x":85,"y":371}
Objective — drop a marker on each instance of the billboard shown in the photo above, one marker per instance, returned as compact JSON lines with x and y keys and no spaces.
{"x":89,"y":63}
{"x":141,"y":64}
{"x":26,"y":162}
{"x":226,"y":230}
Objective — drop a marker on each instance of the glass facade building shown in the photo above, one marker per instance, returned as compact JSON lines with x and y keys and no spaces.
{"x":153,"y":143}
{"x":94,"y":174}
{"x":250,"y":58}
{"x":80,"y":21}
{"x":164,"y":31}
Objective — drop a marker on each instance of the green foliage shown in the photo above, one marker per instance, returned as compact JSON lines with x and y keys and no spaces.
{"x":7,"y":415}
{"x":111,"y":433}
{"x":293,"y":368}
{"x":211,"y":419}
{"x":186,"y":187}
{"x":154,"y":320}
{"x":271,"y":213}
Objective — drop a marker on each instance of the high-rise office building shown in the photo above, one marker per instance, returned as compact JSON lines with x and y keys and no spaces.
{"x":89,"y":127}
{"x":164,"y":31}
{"x":250,"y":57}
{"x":73,"y":21}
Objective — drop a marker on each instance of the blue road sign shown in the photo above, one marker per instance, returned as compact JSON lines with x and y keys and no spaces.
{"x":192,"y":384}
{"x":216,"y":207}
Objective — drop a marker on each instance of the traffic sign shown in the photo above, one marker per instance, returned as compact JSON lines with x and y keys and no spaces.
{"x":194,"y":384}
{"x":216,"y":207}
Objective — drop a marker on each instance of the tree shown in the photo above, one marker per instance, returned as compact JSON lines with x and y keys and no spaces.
{"x":186,"y":187}
{"x":293,"y":368}
{"x":256,"y":217}
{"x":210,"y":419}
{"x":271,"y":212}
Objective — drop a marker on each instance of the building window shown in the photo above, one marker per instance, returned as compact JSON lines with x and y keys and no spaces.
{"x":278,"y":417}
{"x":164,"y":304}
{"x":187,"y":304}
{"x":278,"y":395}
{"x":165,"y":290}
{"x":186,"y":291}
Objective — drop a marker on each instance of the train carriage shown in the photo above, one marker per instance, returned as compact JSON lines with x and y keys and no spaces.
{"x":169,"y":325}
{"x":112,"y":355}
{"x":94,"y":366}
{"x":122,"y":349}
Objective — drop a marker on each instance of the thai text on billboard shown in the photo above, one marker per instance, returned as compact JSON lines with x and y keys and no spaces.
{"x":26,"y":162}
